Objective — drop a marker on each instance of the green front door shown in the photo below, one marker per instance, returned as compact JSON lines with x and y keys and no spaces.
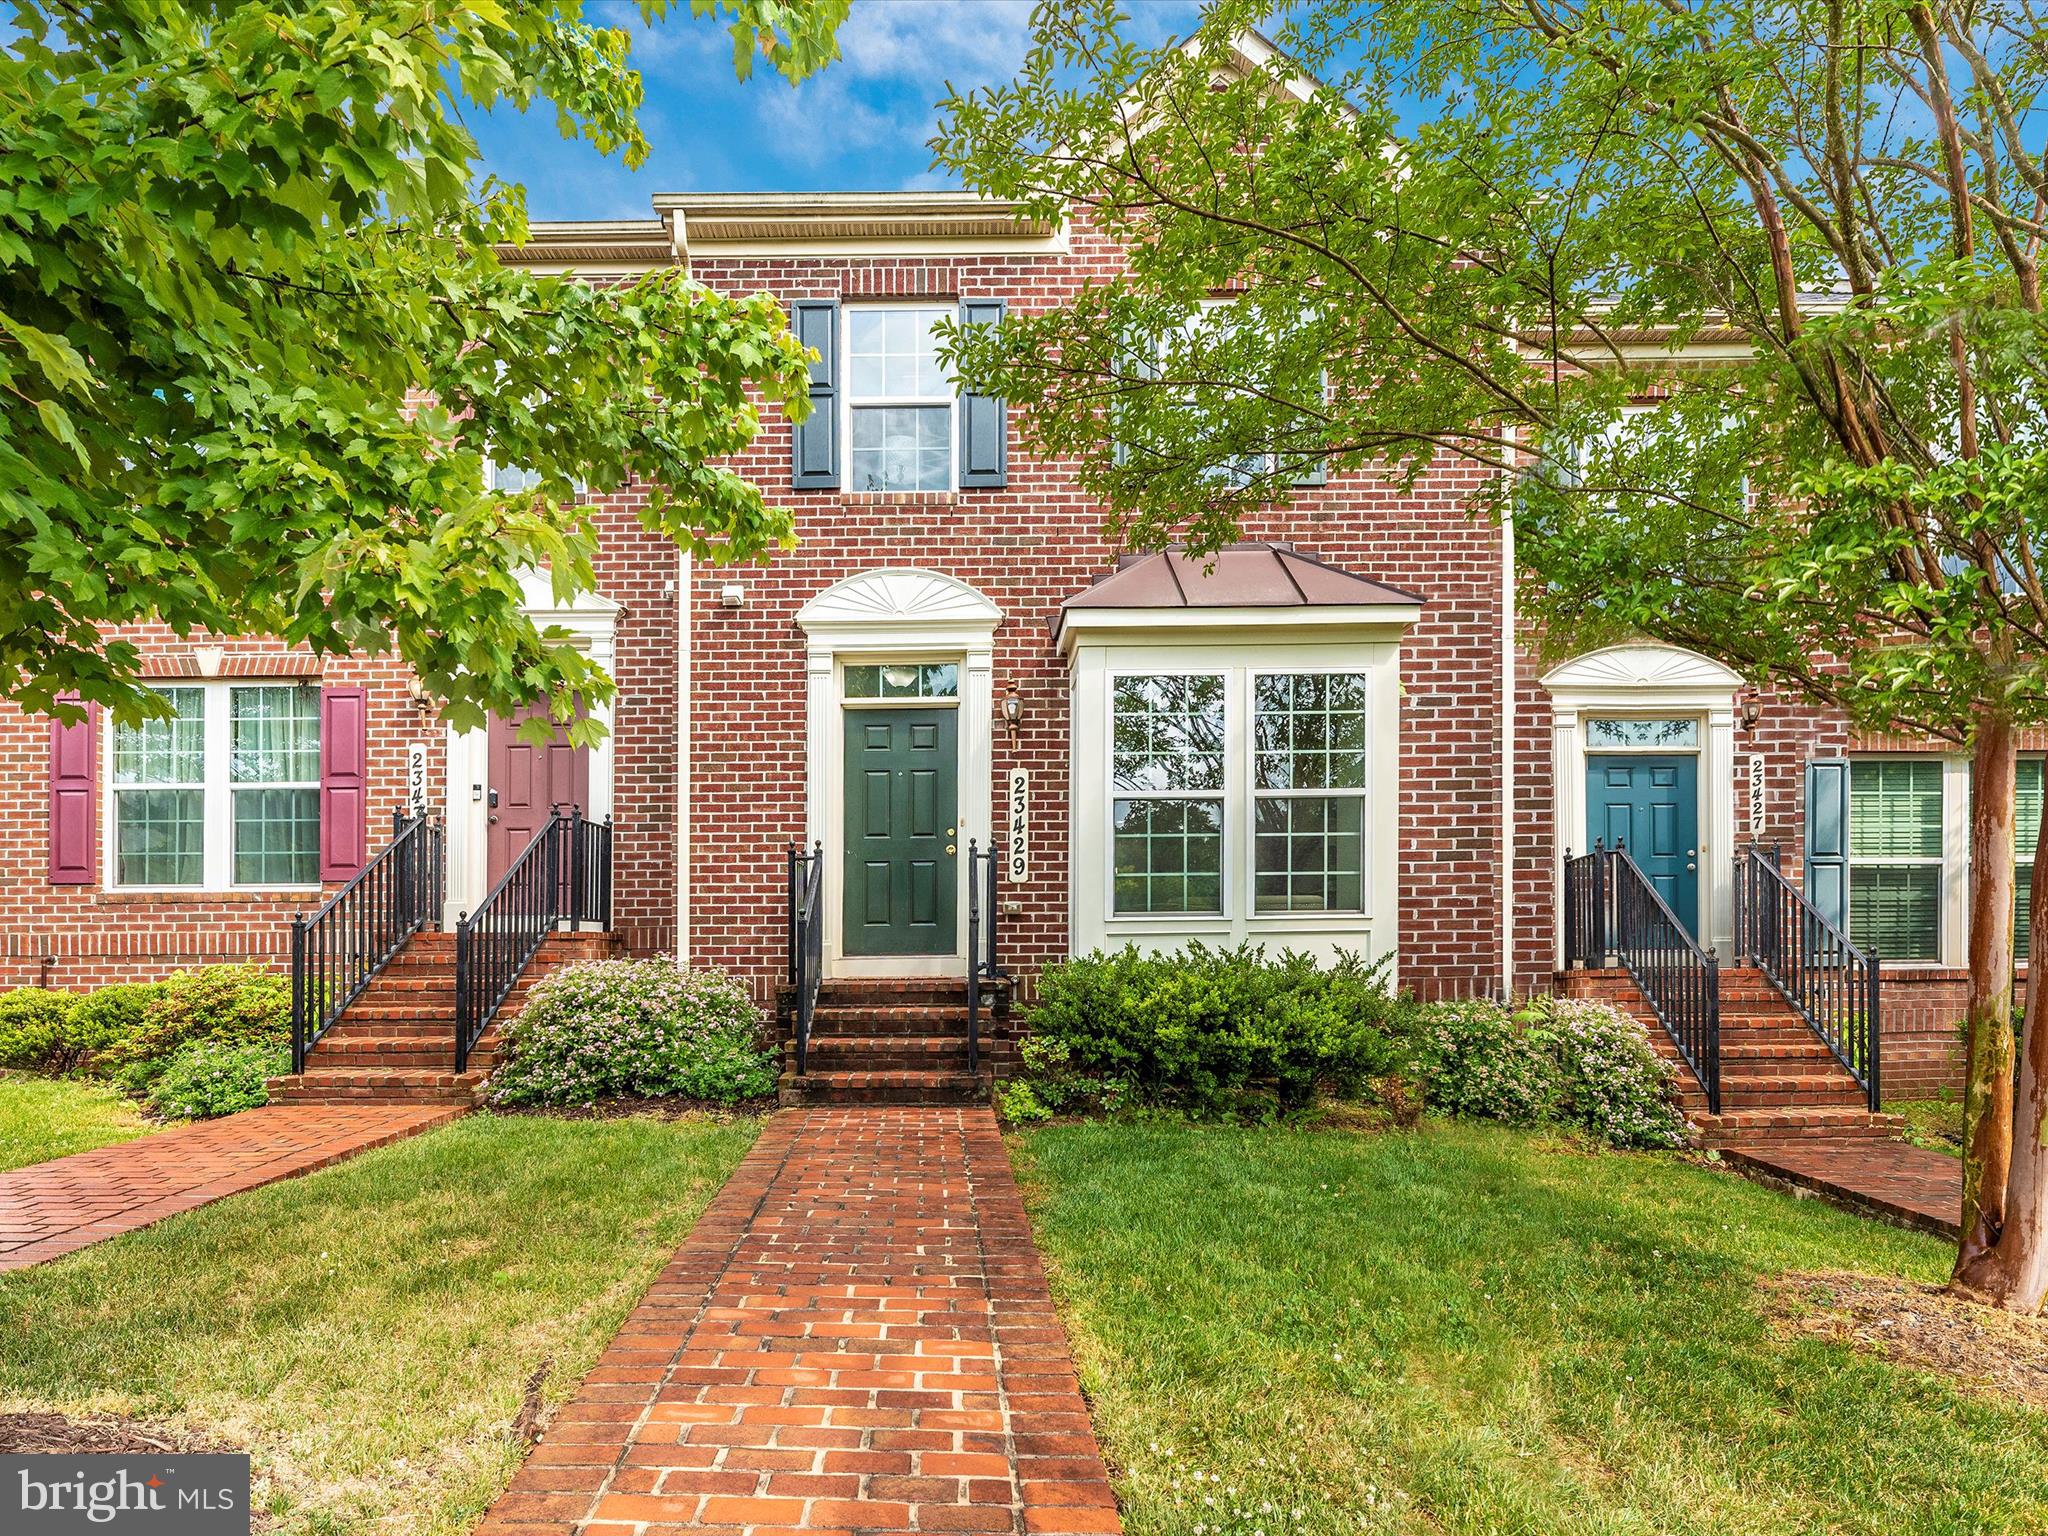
{"x":902,"y":817}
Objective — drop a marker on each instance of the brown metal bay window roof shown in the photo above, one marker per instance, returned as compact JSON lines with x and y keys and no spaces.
{"x":1251,"y":575}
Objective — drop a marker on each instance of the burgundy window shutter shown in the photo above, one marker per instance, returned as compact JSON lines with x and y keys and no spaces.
{"x":71,"y":797}
{"x":344,"y":780}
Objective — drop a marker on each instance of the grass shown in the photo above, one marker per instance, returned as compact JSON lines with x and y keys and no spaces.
{"x":46,"y":1117}
{"x":1468,"y":1329}
{"x":366,"y":1331}
{"x":1936,"y":1124}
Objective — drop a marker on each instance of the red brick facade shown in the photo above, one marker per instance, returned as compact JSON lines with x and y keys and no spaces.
{"x":1026,"y":547}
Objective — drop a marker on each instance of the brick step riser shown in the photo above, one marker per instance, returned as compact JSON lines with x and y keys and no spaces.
{"x":907,"y":1029}
{"x":909,"y":994}
{"x":814,"y":1094}
{"x":952,"y":1059}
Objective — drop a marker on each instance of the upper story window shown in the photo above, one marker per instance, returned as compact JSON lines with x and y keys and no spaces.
{"x":899,"y":401}
{"x":224,"y":793}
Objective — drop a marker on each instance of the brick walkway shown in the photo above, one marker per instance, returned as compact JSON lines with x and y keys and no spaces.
{"x":857,"y":1336}
{"x":63,"y":1205}
{"x":1893,"y":1179}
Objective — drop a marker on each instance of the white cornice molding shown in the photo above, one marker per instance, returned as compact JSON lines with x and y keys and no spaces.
{"x":897,"y":599}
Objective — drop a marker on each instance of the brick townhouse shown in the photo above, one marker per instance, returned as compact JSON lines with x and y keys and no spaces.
{"x":1331,"y":739}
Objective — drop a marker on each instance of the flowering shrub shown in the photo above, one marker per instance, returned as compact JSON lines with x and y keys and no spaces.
{"x":1202,"y":1029}
{"x":205,"y":1078}
{"x":1476,"y":1062}
{"x":612,"y":1029}
{"x":1574,"y":1062}
{"x":1611,"y":1081}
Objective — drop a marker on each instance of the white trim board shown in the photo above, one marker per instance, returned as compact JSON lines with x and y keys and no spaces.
{"x":881,"y":615}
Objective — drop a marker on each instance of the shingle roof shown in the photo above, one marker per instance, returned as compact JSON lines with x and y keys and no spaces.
{"x":1261,"y":574}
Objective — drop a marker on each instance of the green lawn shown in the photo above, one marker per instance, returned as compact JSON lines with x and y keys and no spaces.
{"x":1467,"y":1329}
{"x":45,"y":1117}
{"x":365,"y":1331}
{"x":1936,"y":1124}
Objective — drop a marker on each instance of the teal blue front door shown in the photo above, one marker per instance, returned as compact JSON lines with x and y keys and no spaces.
{"x":1650,"y":806}
{"x":902,"y":814}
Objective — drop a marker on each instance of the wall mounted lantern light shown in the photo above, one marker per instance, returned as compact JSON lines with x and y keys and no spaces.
{"x":1013,"y":712}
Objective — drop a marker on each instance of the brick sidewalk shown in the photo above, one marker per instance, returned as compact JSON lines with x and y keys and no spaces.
{"x":63,"y":1205}
{"x":857,"y":1336}
{"x":1891,"y":1179}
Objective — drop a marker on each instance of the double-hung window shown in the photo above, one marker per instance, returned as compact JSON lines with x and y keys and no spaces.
{"x":1187,"y":784}
{"x":1895,"y":856}
{"x":223,"y":793}
{"x":899,"y":401}
{"x":1308,"y":756}
{"x":1167,"y":772}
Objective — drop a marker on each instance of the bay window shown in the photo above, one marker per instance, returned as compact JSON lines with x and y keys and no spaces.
{"x":225,"y":792}
{"x":1309,"y":811}
{"x":1273,"y":764}
{"x":1167,"y":769}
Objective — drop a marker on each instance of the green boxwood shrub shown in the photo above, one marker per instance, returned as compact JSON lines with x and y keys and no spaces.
{"x":34,"y":1032}
{"x":226,"y":1004}
{"x":102,"y":1019}
{"x":611,"y":1029}
{"x":1204,"y":1030}
{"x":202,"y":1079}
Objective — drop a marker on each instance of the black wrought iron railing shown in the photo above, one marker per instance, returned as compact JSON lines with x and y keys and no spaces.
{"x":1614,"y":916}
{"x":806,"y":913}
{"x":1812,"y":963}
{"x":355,"y":933}
{"x":983,"y":968}
{"x":563,"y":876}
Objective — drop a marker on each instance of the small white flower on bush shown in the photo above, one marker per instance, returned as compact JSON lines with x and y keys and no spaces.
{"x":609,"y":1029}
{"x":1570,"y":1060}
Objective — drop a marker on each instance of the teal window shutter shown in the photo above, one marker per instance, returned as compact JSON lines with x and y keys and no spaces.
{"x":2026,"y":831}
{"x":984,"y":419}
{"x":1827,"y":838}
{"x":814,"y":442}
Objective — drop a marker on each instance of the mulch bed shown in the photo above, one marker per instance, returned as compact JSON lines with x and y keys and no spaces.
{"x":52,"y":1434}
{"x":659,"y":1109}
{"x":1982,"y":1348}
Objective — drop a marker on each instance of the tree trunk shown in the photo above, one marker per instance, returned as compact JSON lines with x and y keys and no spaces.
{"x":2013,"y":1272}
{"x":1987,"y":1096}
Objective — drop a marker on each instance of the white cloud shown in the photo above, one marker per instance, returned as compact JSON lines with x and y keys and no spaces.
{"x":930,"y":41}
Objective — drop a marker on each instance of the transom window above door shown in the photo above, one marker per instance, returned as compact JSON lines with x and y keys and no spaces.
{"x":1604,"y":734}
{"x":903,"y":680}
{"x":899,"y":401}
{"x":224,"y":792}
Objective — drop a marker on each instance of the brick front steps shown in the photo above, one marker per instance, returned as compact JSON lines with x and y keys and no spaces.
{"x":1778,"y":1082}
{"x":888,"y":1042}
{"x":396,"y":1043}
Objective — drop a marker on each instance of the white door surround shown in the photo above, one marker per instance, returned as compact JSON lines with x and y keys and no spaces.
{"x":1637,"y":681}
{"x":895,"y":615}
{"x":592,"y":626}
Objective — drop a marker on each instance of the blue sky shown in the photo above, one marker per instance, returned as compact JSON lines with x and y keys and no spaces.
{"x":861,"y":125}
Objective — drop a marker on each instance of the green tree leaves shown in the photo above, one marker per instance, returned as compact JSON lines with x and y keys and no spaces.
{"x":258,"y":338}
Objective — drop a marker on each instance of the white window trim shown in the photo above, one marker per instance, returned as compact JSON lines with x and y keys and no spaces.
{"x":1221,"y":795}
{"x":1240,"y":653}
{"x":217,"y":865}
{"x":848,"y":403}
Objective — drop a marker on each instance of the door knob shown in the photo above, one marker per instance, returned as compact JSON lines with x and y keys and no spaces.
{"x":949,"y":847}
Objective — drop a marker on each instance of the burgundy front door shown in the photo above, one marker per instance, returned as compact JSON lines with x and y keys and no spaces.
{"x":526,"y":782}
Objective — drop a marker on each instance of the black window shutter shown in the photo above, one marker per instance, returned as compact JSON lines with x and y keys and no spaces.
{"x":984,"y":419}
{"x":814,"y":442}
